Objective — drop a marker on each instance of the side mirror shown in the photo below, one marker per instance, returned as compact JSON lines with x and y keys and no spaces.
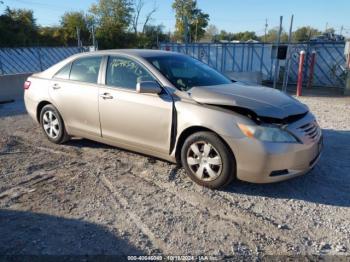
{"x":148,"y":87}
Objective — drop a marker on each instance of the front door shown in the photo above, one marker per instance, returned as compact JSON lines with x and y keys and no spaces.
{"x":130,"y":118}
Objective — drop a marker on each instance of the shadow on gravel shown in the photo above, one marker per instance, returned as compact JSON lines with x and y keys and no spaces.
{"x":328,"y":183}
{"x":86,"y":143}
{"x":82,"y":142}
{"x":12,"y":108}
{"x":27,"y":233}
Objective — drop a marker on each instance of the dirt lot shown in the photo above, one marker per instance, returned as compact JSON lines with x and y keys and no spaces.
{"x":88,"y":198}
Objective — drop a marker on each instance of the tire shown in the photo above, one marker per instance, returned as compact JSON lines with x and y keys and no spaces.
{"x":207,"y":160}
{"x":52,"y":125}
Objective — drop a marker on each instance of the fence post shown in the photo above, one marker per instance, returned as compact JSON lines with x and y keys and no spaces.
{"x":224,"y":69}
{"x":40,"y":62}
{"x":311,"y":69}
{"x":287,"y":65}
{"x":262,"y":57}
{"x":300,"y":72}
{"x":277,"y":61}
{"x":1,"y":68}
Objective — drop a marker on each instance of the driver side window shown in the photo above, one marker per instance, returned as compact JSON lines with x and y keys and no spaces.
{"x":125,"y":73}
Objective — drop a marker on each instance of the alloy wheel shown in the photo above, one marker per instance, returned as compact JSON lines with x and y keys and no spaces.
{"x":51,"y":124}
{"x":204,"y":161}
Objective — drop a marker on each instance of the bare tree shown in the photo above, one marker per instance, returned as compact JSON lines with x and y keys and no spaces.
{"x":138,"y":7}
{"x":149,"y":17}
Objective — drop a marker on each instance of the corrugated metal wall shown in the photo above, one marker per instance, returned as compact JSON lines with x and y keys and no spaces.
{"x":236,"y":57}
{"x":256,"y":57}
{"x":33,"y":59}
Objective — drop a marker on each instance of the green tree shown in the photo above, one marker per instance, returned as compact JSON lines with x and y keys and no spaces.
{"x":245,"y":36}
{"x":187,"y":13}
{"x":18,"y":28}
{"x":151,"y":36}
{"x":70,"y":21}
{"x":116,"y":13}
{"x":211,"y":33}
{"x":272,"y":34}
{"x":304,"y":33}
{"x":112,"y":19}
{"x":51,"y":36}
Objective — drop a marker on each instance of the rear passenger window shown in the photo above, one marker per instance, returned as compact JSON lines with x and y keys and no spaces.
{"x":63,"y":73}
{"x":85,"y":69}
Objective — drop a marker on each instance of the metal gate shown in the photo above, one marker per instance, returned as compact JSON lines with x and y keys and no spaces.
{"x":256,"y":57}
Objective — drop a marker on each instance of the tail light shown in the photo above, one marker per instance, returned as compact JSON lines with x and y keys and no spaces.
{"x":26,"y":84}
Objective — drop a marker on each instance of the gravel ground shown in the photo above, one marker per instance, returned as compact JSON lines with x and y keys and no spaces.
{"x":87,"y":198}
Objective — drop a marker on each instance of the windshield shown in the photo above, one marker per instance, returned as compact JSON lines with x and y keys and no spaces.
{"x":185,"y":72}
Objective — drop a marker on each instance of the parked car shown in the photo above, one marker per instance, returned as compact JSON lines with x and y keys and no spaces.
{"x":174,"y":107}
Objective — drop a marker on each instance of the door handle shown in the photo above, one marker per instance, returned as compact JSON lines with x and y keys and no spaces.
{"x":56,"y":86}
{"x":106,"y":96}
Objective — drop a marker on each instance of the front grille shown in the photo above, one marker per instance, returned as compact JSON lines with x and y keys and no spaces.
{"x":311,"y":130}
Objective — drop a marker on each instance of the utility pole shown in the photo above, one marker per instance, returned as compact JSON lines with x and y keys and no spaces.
{"x":277,"y":62}
{"x":78,"y":37}
{"x":266,"y":25}
{"x":287,"y":66}
{"x":326,"y":28}
{"x":93,"y":37}
{"x":341,"y":30}
{"x":186,"y":28}
{"x":196,"y":29}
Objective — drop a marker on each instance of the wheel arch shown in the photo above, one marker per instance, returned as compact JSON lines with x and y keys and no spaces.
{"x":188,"y":132}
{"x":40,"y":107}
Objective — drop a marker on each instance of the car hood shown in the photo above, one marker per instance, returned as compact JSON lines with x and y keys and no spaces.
{"x":264,"y":101}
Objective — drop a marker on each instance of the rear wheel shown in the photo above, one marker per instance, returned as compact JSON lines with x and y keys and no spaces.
{"x":207,"y":160}
{"x":53,"y":125}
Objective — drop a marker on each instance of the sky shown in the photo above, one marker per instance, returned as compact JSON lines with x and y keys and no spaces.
{"x":229,"y":15}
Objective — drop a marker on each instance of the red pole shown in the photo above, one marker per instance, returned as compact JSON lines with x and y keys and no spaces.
{"x":300,"y":73}
{"x":312,"y":69}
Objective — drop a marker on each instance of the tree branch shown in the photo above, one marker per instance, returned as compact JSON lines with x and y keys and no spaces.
{"x":138,"y":8}
{"x":149,"y":18}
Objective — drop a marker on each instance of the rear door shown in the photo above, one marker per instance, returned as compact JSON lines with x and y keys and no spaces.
{"x":130,"y":118}
{"x":74,"y":91}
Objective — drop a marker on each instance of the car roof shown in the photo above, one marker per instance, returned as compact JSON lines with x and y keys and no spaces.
{"x":137,"y":53}
{"x":134,"y":52}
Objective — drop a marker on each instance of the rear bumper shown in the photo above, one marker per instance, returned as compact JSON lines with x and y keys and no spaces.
{"x":31,"y":106}
{"x":265,"y":162}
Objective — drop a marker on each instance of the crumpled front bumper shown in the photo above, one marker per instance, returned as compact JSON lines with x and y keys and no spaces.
{"x":267,"y":162}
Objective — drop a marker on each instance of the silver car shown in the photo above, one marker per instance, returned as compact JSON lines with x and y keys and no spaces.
{"x":174,"y":107}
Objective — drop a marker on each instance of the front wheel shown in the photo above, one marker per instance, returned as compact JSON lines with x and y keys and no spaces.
{"x":207,"y":160}
{"x":52,"y":124}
